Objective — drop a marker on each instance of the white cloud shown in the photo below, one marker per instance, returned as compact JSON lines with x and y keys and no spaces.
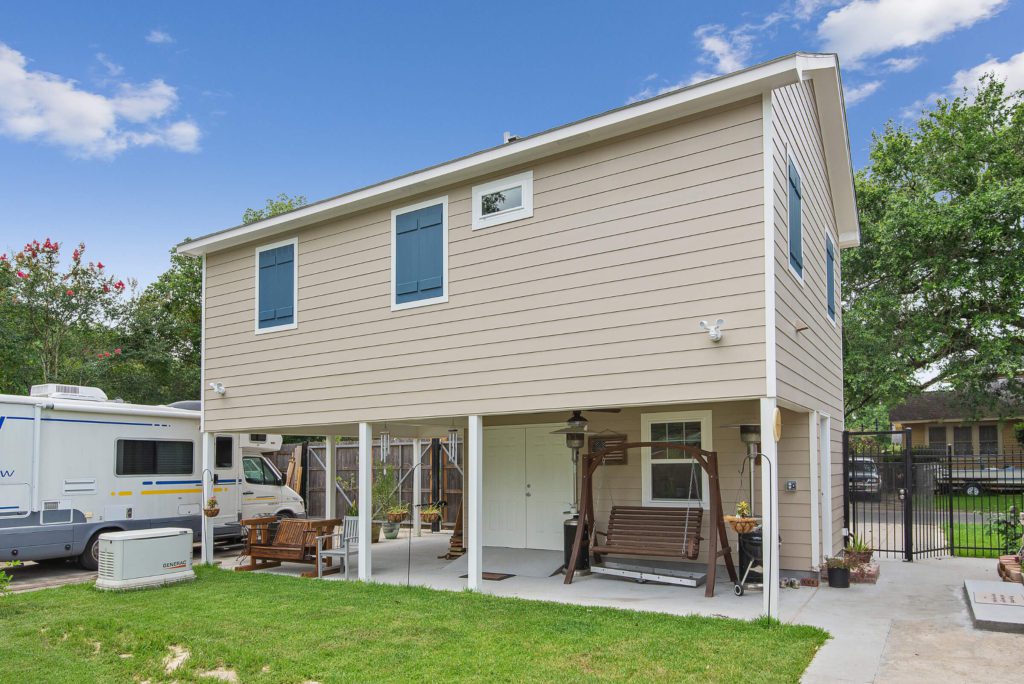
{"x":159,"y":37}
{"x":1011,"y":71}
{"x":853,"y":95}
{"x":36,"y":105}
{"x":865,"y":28}
{"x":902,"y":64}
{"x":804,"y":9}
{"x":724,"y":51}
{"x":112,"y":68}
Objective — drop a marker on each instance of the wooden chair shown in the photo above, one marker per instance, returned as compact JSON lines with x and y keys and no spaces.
{"x":295,"y":541}
{"x":662,"y":532}
{"x":348,"y":541}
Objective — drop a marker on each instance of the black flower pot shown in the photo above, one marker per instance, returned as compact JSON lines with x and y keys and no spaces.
{"x":839,"y":578}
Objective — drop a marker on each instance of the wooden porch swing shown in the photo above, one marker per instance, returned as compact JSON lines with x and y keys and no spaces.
{"x":660,"y":532}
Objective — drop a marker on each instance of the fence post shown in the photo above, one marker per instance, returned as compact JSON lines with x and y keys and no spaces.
{"x":846,"y":490}
{"x":908,"y":500}
{"x":949,"y":496}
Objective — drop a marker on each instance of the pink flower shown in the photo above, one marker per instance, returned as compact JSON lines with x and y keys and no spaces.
{"x":99,"y":265}
{"x":106,"y":288}
{"x":76,"y":255}
{"x":117,"y":351}
{"x":70,"y":293}
{"x":119,"y":285}
{"x":106,"y":354}
{"x":22,"y":274}
{"x":99,"y":356}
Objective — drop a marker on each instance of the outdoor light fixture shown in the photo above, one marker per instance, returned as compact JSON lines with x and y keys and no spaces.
{"x":218,"y":387}
{"x":453,"y":445}
{"x":385,"y":445}
{"x":575,"y":432}
{"x":714,"y":330}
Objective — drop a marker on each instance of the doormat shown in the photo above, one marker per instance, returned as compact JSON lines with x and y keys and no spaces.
{"x":999,"y":599}
{"x":492,"y":576}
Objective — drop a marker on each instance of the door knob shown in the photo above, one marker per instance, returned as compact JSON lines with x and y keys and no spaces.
{"x":903,"y":494}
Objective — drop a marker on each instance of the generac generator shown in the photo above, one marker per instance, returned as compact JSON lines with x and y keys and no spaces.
{"x":145,"y":558}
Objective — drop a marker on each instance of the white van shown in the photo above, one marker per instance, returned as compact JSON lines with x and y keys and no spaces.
{"x":74,"y":464}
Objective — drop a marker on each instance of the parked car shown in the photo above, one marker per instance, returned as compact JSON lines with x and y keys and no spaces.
{"x":865,"y":479}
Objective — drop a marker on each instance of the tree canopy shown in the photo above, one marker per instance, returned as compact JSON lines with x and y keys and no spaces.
{"x":934,"y":296}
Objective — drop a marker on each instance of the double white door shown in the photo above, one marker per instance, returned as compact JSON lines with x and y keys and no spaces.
{"x":527,"y":486}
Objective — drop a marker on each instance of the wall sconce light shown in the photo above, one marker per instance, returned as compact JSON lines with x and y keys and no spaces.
{"x":714,"y":330}
{"x":218,"y":387}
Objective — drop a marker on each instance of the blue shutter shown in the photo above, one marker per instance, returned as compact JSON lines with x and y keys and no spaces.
{"x":419,"y":254}
{"x":796,"y":254}
{"x":830,"y":276}
{"x":277,"y":286}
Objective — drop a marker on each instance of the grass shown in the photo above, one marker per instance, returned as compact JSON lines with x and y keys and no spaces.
{"x":967,"y":535}
{"x":986,"y":503}
{"x":271,"y":628}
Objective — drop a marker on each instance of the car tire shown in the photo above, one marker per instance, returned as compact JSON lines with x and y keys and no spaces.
{"x":90,"y":558}
{"x":972,"y":489}
{"x":285,"y":514}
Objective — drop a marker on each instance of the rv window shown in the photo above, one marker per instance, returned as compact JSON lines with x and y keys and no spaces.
{"x":151,"y":457}
{"x":225,"y":447}
{"x":253,"y":470}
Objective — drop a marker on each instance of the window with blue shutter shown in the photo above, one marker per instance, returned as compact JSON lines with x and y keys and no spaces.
{"x":796,"y":253}
{"x":830,"y":277}
{"x":276,"y":287}
{"x":419,"y":255}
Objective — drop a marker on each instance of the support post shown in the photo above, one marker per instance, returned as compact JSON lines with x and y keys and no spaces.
{"x":435,"y":478}
{"x":473,"y":489}
{"x":365,"y":500}
{"x":770,"y":507}
{"x":209,"y":449}
{"x":813,"y":443}
{"x":330,"y":472}
{"x":417,"y":486}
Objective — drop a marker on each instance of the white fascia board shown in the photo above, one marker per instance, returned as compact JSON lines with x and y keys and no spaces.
{"x":828,"y":95}
{"x":751,"y":82}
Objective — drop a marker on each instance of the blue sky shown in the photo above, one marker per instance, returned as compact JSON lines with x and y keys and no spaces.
{"x":133,"y":125}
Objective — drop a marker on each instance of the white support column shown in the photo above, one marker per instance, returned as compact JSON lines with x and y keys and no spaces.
{"x":209,"y":449}
{"x":417,"y":485}
{"x":365,"y":500}
{"x":770,"y":506}
{"x":330,"y":488}
{"x":474,"y":510}
{"x":812,"y":447}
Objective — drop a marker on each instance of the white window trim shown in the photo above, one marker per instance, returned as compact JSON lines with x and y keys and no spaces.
{"x":525,"y":211}
{"x":395,"y":213}
{"x":295,"y":286}
{"x":706,"y":443}
{"x":791,"y":159}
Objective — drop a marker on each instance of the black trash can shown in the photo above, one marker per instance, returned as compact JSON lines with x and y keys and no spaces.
{"x":569,"y":537}
{"x":751,"y":549}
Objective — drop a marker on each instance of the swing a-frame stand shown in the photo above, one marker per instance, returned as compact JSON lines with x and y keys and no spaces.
{"x":654,"y":532}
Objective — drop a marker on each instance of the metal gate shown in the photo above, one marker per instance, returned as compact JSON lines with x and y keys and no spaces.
{"x":893,"y":496}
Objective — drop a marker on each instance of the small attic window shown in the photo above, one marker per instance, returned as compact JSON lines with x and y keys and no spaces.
{"x":502,"y":201}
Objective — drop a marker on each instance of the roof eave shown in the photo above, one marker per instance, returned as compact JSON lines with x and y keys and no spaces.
{"x":686,"y":101}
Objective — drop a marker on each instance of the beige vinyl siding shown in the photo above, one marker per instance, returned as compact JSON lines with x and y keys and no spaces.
{"x":593,"y":301}
{"x":620,"y":485}
{"x":809,"y":366}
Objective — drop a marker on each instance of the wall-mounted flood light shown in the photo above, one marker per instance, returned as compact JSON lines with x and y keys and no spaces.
{"x":218,"y":387}
{"x":714,"y":330}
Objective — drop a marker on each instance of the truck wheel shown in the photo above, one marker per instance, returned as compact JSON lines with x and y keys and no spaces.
{"x":90,"y":558}
{"x":285,"y":514}
{"x":972,"y":489}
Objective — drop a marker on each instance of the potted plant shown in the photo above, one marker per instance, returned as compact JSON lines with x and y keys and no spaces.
{"x":743,"y":522}
{"x":430,"y":514}
{"x":838,"y":568}
{"x":212,"y":508}
{"x":858,"y":551}
{"x":384,"y":500}
{"x":397,"y":513}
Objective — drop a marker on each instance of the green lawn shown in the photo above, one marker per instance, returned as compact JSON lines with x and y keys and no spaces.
{"x":986,"y":503}
{"x":271,"y":628}
{"x":975,"y":534}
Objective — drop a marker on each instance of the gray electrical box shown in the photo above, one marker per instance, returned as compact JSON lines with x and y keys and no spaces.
{"x":790,"y":485}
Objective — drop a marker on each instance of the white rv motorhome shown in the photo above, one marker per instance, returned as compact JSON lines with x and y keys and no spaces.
{"x":74,"y":464}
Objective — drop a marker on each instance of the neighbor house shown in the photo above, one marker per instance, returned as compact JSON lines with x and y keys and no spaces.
{"x":940,"y":419}
{"x":571,"y":270}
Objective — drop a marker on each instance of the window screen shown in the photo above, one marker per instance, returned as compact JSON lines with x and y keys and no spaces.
{"x":962,"y":444}
{"x":937,"y":439}
{"x":674,"y":475}
{"x":988,"y":439}
{"x":152,"y":457}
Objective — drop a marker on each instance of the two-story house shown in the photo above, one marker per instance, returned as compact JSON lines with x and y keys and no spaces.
{"x":570,"y":270}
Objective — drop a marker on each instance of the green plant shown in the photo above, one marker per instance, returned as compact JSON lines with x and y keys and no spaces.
{"x":1006,"y":528}
{"x":858,"y":544}
{"x":743,"y":509}
{"x":1018,"y":432}
{"x":432,"y":509}
{"x":384,"y":492}
{"x":838,"y":562}
{"x":212,"y":502}
{"x":5,"y":579}
{"x":397,"y":509}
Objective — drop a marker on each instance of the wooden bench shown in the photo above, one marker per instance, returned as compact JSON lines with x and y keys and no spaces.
{"x":294,"y":541}
{"x":659,"y":532}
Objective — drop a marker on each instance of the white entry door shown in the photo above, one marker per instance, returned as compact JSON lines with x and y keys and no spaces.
{"x":527,"y":487}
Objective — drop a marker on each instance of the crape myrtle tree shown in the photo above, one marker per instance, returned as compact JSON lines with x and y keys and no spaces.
{"x":57,"y":322}
{"x":934,"y":296}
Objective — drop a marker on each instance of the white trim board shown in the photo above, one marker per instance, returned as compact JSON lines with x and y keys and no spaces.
{"x":294,"y":241}
{"x":443,"y":201}
{"x":706,"y":443}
